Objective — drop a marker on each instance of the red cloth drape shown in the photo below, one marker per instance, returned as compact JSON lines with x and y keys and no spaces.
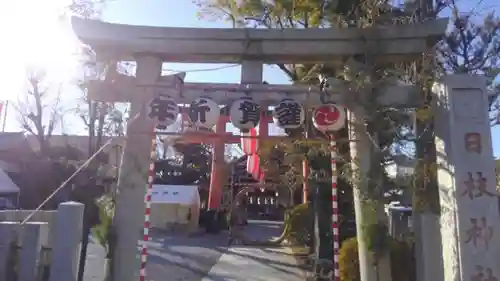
{"x":250,"y":147}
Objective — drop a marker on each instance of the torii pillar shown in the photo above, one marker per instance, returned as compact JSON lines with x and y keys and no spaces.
{"x":129,"y":210}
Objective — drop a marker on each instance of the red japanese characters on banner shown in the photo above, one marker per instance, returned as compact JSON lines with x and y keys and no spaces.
{"x":480,"y":232}
{"x":476,"y":187}
{"x":329,"y":117}
{"x":473,"y":142}
{"x":483,"y":274}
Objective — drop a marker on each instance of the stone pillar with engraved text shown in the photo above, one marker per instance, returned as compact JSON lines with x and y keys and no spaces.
{"x":470,"y":221}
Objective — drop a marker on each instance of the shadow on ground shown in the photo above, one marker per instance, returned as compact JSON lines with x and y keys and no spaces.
{"x":177,"y":257}
{"x":183,"y":258}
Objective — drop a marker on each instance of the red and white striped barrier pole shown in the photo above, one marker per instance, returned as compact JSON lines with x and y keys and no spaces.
{"x":147,"y":213}
{"x":329,"y":118}
{"x":335,"y":210}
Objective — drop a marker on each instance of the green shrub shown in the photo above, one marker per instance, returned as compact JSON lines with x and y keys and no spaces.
{"x":349,"y":260}
{"x":102,"y":232}
{"x":377,"y":238}
{"x":402,"y":261}
{"x":298,"y":225}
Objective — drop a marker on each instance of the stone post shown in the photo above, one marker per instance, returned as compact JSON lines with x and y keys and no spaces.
{"x":361,"y":150}
{"x":132,"y":181}
{"x":470,"y":221}
{"x":7,"y":236}
{"x":251,"y":72}
{"x":33,"y":234}
{"x":429,"y":263}
{"x":67,"y":235}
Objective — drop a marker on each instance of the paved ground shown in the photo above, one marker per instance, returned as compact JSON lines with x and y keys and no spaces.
{"x":207,"y":258}
{"x":176,"y":257}
{"x":184,"y":258}
{"x":244,"y":263}
{"x":94,"y":270}
{"x":255,"y":264}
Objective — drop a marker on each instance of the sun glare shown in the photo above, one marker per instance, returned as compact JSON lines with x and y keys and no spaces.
{"x":34,"y":35}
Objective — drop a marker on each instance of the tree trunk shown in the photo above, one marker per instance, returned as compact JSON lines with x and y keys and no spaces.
{"x":100,"y":126}
{"x":91,"y":125}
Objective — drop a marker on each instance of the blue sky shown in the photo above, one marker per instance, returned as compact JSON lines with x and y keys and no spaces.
{"x":180,"y":14}
{"x":175,"y":13}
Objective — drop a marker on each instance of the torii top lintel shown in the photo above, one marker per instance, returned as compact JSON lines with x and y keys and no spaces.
{"x":208,"y":45}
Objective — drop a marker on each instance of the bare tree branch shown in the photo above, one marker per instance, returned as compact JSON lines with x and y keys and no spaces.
{"x":39,"y":109}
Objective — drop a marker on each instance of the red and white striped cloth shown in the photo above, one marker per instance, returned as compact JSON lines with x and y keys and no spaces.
{"x":335,"y":210}
{"x":254,"y":168}
{"x":147,"y":213}
{"x":250,"y":146}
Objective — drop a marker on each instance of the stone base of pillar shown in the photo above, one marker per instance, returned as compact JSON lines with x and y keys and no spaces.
{"x":428,"y":249}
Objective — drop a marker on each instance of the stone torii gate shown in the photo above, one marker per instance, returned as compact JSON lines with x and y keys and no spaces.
{"x":151,"y":46}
